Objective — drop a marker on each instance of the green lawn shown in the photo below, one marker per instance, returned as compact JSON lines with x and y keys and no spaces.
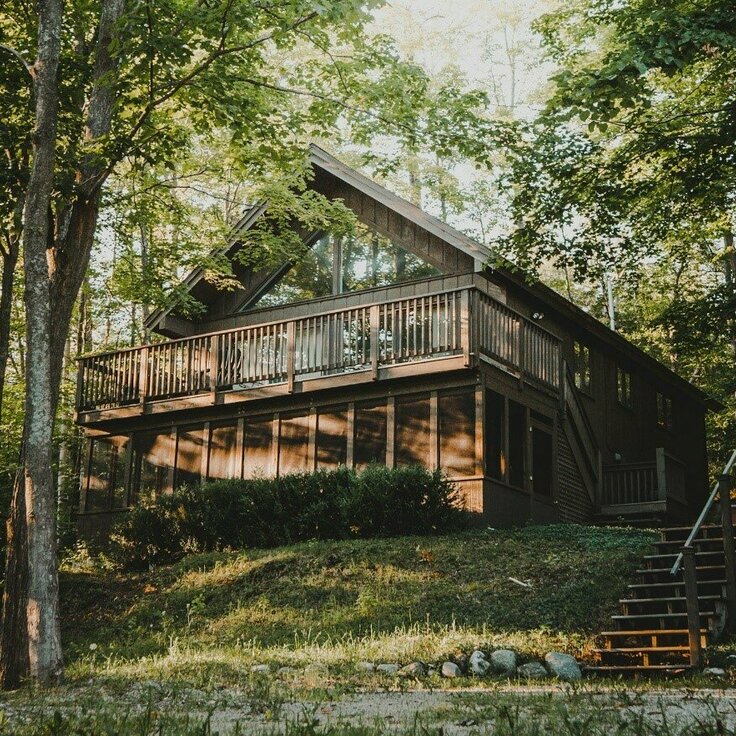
{"x":209,"y":617}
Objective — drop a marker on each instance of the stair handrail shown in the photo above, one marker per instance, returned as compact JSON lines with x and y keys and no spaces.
{"x":704,"y":513}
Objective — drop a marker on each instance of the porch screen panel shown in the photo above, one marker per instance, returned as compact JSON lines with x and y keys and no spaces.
{"x":332,"y":438}
{"x":457,"y":433}
{"x":106,"y":474}
{"x":412,"y":431}
{"x":224,"y":460}
{"x":369,"y":445}
{"x":258,"y":447}
{"x":294,"y":444}
{"x":518,"y":431}
{"x":189,"y":456}
{"x":542,"y":462}
{"x":495,"y":435}
{"x":153,"y":457}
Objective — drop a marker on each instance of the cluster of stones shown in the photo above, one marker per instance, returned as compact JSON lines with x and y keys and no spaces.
{"x":500,"y":663}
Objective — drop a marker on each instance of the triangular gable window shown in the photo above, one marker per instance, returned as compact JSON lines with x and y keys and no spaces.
{"x":360,"y":261}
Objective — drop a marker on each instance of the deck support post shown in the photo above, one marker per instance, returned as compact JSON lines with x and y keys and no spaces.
{"x":724,"y":484}
{"x":693,"y":610}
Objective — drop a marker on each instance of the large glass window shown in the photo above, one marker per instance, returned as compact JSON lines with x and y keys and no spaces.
{"x":370,"y":434}
{"x":542,"y":462}
{"x":583,"y":379}
{"x":294,"y":444}
{"x":332,"y":438}
{"x":224,"y":460}
{"x":106,"y":474}
{"x":517,"y":444}
{"x":362,"y":260}
{"x":623,"y":388}
{"x":412,"y":431}
{"x":457,"y":433}
{"x":664,"y":412}
{"x":495,"y":435}
{"x":153,"y":457}
{"x":258,"y":447}
{"x":189,"y":456}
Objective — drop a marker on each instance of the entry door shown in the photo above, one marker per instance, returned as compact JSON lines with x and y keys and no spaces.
{"x":542,"y":460}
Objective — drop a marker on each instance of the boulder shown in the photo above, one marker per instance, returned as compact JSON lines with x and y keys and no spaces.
{"x":414,"y":669}
{"x":260,"y":669}
{"x":503,"y":662}
{"x":387,"y":668}
{"x":365,"y":667}
{"x":714,"y":672}
{"x":478,"y":664}
{"x":563,"y":666}
{"x":531,"y":671}
{"x":731,"y":660}
{"x":450,"y":669}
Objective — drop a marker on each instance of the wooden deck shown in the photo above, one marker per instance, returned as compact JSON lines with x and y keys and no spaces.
{"x":439,"y":332}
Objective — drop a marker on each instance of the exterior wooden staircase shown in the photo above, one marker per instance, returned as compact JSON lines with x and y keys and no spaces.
{"x":683,"y":598}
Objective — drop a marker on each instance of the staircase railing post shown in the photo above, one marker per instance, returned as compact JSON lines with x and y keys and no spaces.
{"x":693,"y":610}
{"x":724,"y":484}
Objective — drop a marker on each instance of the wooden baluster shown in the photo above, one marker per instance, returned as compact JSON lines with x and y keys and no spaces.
{"x":375,"y":316}
{"x":214,"y":364}
{"x":143,"y":375}
{"x":693,"y":611}
{"x":290,"y":347}
{"x":724,"y":484}
{"x":465,"y":326}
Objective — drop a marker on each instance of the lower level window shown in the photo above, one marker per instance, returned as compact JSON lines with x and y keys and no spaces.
{"x":153,"y":458}
{"x":105,"y":482}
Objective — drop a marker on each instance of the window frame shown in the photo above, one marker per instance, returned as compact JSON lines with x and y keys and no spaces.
{"x":665,"y":414}
{"x":625,"y":390}
{"x":583,"y":367}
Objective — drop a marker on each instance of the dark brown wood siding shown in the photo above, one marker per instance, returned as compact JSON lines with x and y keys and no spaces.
{"x":573,"y":500}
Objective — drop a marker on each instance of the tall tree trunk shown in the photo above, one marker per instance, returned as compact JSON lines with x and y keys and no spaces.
{"x":10,"y":260}
{"x":42,"y":605}
{"x":68,"y":258}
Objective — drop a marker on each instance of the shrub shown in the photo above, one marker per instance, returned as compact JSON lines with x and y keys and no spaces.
{"x":267,"y":512}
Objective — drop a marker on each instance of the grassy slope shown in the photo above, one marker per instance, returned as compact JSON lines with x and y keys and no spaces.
{"x":210,"y":616}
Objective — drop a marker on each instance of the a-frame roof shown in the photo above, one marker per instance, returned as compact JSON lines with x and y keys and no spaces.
{"x":327,"y":165}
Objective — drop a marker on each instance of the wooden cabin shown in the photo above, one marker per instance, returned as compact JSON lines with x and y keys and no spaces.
{"x":398,"y":345}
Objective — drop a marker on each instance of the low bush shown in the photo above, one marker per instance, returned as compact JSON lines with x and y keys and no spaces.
{"x":268,"y":512}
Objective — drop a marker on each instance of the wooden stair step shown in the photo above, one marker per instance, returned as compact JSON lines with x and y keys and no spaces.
{"x":649,"y":632}
{"x":668,"y":599}
{"x":678,"y":583}
{"x":633,"y":668}
{"x":628,"y":617}
{"x":648,"y":650}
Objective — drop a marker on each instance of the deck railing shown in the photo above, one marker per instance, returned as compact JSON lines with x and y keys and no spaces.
{"x":364,"y":338}
{"x":661,"y":479}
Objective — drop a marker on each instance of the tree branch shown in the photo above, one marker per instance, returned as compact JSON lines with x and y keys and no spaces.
{"x":28,"y":67}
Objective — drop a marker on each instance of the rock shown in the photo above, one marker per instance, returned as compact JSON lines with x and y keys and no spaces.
{"x":503,"y":662}
{"x":478,"y":664}
{"x":260,"y":669}
{"x":387,"y":669}
{"x":450,"y":669}
{"x":731,"y":660}
{"x":365,"y":667}
{"x":714,"y":672}
{"x":285,"y":671}
{"x":563,"y":666}
{"x":414,"y":669}
{"x":531,"y":671}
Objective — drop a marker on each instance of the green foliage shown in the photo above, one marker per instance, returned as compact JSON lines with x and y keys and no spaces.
{"x":239,"y":514}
